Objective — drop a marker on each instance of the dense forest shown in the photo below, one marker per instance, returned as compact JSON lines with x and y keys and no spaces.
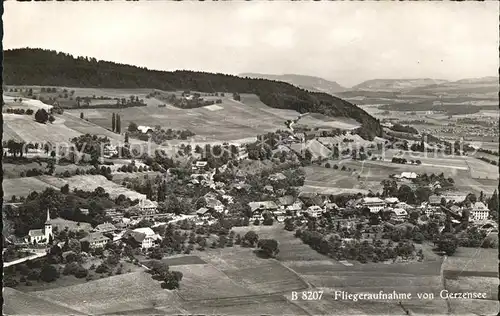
{"x":50,"y":68}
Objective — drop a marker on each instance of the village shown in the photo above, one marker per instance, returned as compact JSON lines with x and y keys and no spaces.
{"x":144,"y":222}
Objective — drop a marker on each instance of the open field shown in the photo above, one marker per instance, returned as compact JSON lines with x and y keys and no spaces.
{"x":124,"y":292}
{"x":473,"y":259}
{"x":490,"y":145}
{"x":91,"y":182}
{"x":204,"y":281}
{"x":66,"y":126}
{"x":475,"y":307}
{"x":24,"y":127}
{"x":488,"y":285}
{"x":249,"y":305}
{"x":323,"y":273}
{"x":23,"y":186}
{"x":230,"y":120}
{"x":480,"y":169}
{"x":13,"y":170}
{"x":18,"y":303}
{"x":181,"y":260}
{"x":330,"y":181}
{"x":464,"y":183}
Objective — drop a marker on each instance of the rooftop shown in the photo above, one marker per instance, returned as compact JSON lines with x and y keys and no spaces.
{"x":95,"y":237}
{"x":262,"y":205}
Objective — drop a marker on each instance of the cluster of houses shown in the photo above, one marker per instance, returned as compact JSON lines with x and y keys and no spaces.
{"x":97,"y":237}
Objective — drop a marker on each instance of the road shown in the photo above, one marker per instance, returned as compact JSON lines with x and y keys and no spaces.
{"x":18,"y":261}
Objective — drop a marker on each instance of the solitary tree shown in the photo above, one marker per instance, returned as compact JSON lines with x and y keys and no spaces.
{"x":41,"y":116}
{"x":250,"y":238}
{"x":448,"y":243}
{"x":268,"y":247}
{"x":132,"y":127}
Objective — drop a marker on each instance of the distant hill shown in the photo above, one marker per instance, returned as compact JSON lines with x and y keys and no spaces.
{"x":310,"y":83}
{"x":395,"y":85}
{"x":489,"y":79}
{"x":50,"y":68}
{"x":485,"y":87}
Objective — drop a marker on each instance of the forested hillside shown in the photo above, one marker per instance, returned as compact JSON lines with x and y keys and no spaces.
{"x":50,"y":68}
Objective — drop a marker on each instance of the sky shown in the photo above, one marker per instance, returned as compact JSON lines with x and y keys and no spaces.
{"x":347,"y":42}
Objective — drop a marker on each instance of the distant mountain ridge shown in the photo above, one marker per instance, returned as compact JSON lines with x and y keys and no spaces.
{"x":311,"y":83}
{"x":396,"y":84}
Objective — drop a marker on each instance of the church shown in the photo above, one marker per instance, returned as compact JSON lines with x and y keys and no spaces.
{"x":41,"y":236}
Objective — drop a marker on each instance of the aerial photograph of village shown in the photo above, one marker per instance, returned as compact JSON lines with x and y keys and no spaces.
{"x":250,"y":158}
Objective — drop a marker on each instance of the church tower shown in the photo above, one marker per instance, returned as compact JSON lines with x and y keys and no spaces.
{"x":48,"y":227}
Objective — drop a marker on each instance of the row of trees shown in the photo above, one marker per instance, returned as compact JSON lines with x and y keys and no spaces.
{"x":363,"y":252}
{"x":116,"y":123}
{"x":20,"y":111}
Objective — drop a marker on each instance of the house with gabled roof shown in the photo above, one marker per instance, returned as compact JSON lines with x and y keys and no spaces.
{"x":105,"y":228}
{"x":96,"y":240}
{"x":145,"y":237}
{"x":258,"y":208}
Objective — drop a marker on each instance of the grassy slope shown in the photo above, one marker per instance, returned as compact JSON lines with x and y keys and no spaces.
{"x":43,"y":67}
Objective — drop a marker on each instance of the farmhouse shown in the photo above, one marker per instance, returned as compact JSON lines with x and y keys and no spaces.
{"x":479,"y":211}
{"x":435,"y":200}
{"x":391,"y":200}
{"x":105,"y":228}
{"x":277,"y":177}
{"x":331,"y":207}
{"x":204,"y":213}
{"x":109,"y":151}
{"x":146,"y":237}
{"x":114,"y":214}
{"x":455,"y":197}
{"x":374,"y":204}
{"x":96,"y":240}
{"x":400,"y":213}
{"x":215,"y":205}
{"x":148,"y":207}
{"x":144,"y":129}
{"x":289,"y":203}
{"x":84,"y":211}
{"x":258,"y":208}
{"x":199,"y":165}
{"x":408,"y":175}
{"x":63,"y":224}
{"x":314,"y":211}
{"x":311,"y":198}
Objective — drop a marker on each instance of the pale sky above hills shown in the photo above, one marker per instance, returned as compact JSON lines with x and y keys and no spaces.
{"x":347,"y":42}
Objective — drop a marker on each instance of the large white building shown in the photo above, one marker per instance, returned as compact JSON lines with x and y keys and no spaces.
{"x":374,"y":204}
{"x":479,"y":211}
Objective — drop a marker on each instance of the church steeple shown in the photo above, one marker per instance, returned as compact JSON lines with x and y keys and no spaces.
{"x":48,"y":228}
{"x":48,"y":217}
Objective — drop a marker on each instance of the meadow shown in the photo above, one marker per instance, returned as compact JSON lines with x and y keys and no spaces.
{"x":131,"y":291}
{"x":18,"y":303}
{"x":235,"y":281}
{"x":230,"y":120}
{"x":23,"y":186}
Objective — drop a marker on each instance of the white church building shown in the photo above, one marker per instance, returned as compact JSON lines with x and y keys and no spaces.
{"x":41,"y":236}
